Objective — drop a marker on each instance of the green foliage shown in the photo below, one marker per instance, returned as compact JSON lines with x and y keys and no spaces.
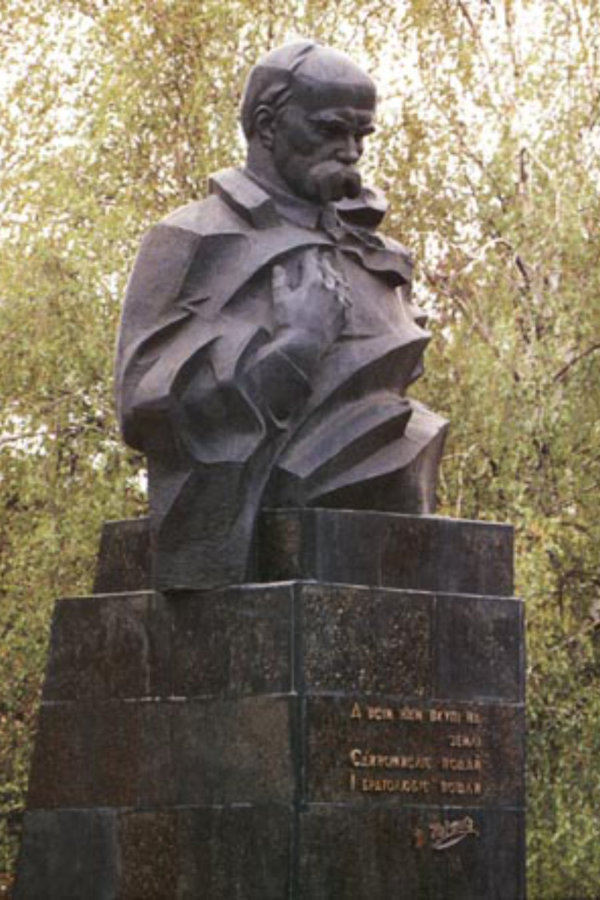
{"x":114,"y":113}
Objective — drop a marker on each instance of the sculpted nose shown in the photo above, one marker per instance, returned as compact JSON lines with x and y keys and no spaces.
{"x":350,"y":152}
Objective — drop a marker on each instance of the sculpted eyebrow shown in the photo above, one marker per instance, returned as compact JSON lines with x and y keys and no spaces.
{"x":331,"y":118}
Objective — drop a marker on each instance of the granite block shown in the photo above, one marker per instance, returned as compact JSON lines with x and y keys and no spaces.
{"x":480,"y":648}
{"x":108,"y":647}
{"x":226,"y":642}
{"x":216,"y":853}
{"x":149,"y":855}
{"x":67,"y":855}
{"x":86,"y":756}
{"x":236,"y":751}
{"x":235,"y":852}
{"x":163,"y":753}
{"x":232,"y":642}
{"x":453,"y":556}
{"x":355,"y":639}
{"x":184,"y":854}
{"x":390,"y":852}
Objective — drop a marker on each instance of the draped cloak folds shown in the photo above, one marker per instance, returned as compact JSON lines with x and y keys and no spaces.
{"x":234,"y":415}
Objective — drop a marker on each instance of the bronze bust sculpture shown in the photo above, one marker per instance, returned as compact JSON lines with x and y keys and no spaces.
{"x":268,"y":335}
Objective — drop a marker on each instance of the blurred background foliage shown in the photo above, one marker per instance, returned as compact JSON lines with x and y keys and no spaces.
{"x":115,"y":111}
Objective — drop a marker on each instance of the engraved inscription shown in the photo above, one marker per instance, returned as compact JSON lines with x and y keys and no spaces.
{"x":389,"y":785}
{"x":472,"y":788}
{"x":469,"y":764}
{"x":464,"y":740}
{"x":416,"y":714}
{"x":455,"y":772}
{"x":362,"y":759}
{"x":453,"y":716}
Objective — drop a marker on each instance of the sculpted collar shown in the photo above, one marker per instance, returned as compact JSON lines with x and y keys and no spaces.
{"x":265,"y":207}
{"x":294,"y":209}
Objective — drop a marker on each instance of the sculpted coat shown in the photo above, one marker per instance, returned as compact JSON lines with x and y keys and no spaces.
{"x":243,"y":394}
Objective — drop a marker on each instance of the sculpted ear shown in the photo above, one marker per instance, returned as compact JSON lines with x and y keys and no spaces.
{"x":264,"y":125}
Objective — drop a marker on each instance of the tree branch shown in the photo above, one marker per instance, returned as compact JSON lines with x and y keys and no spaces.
{"x":479,"y":326}
{"x":572,"y":362}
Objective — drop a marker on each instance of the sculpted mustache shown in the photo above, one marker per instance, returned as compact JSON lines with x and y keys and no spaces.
{"x":335,"y":182}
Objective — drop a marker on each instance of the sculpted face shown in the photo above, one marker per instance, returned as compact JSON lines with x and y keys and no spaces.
{"x":318,"y":143}
{"x":305,"y":112}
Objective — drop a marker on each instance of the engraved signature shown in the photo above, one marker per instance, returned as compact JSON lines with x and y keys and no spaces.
{"x":447,"y":834}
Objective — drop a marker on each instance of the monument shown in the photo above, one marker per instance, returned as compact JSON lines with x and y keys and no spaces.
{"x":268,"y":335}
{"x":292,"y":680}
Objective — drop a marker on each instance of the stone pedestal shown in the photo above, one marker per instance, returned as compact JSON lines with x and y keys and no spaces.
{"x":351,"y":728}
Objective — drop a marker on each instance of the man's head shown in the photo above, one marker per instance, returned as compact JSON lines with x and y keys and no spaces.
{"x":305,"y":112}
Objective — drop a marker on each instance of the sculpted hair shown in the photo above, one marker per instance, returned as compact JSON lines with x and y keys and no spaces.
{"x":269,"y":84}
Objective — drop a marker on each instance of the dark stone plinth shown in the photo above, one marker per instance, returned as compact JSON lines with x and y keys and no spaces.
{"x":151,"y":754}
{"x":287,"y":740}
{"x":387,"y":853}
{"x":188,"y":853}
{"x":428,"y":553}
{"x":68,"y":854}
{"x":231,"y":642}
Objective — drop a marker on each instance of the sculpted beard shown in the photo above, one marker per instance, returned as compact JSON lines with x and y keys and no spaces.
{"x":332,"y":180}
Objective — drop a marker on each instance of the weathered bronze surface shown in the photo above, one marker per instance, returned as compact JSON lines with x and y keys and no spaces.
{"x":268,"y":334}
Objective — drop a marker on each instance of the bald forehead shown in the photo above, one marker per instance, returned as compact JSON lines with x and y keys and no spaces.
{"x":314,"y":95}
{"x":325,"y":64}
{"x":326,"y":71}
{"x":309,"y":75}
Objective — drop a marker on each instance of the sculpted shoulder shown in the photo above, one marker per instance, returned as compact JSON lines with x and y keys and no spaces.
{"x":210,"y":216}
{"x":235,"y":205}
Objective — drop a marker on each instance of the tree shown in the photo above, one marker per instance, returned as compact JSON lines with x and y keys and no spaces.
{"x":114,"y":113}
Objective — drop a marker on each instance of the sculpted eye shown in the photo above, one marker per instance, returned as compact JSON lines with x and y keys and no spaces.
{"x":332,"y":129}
